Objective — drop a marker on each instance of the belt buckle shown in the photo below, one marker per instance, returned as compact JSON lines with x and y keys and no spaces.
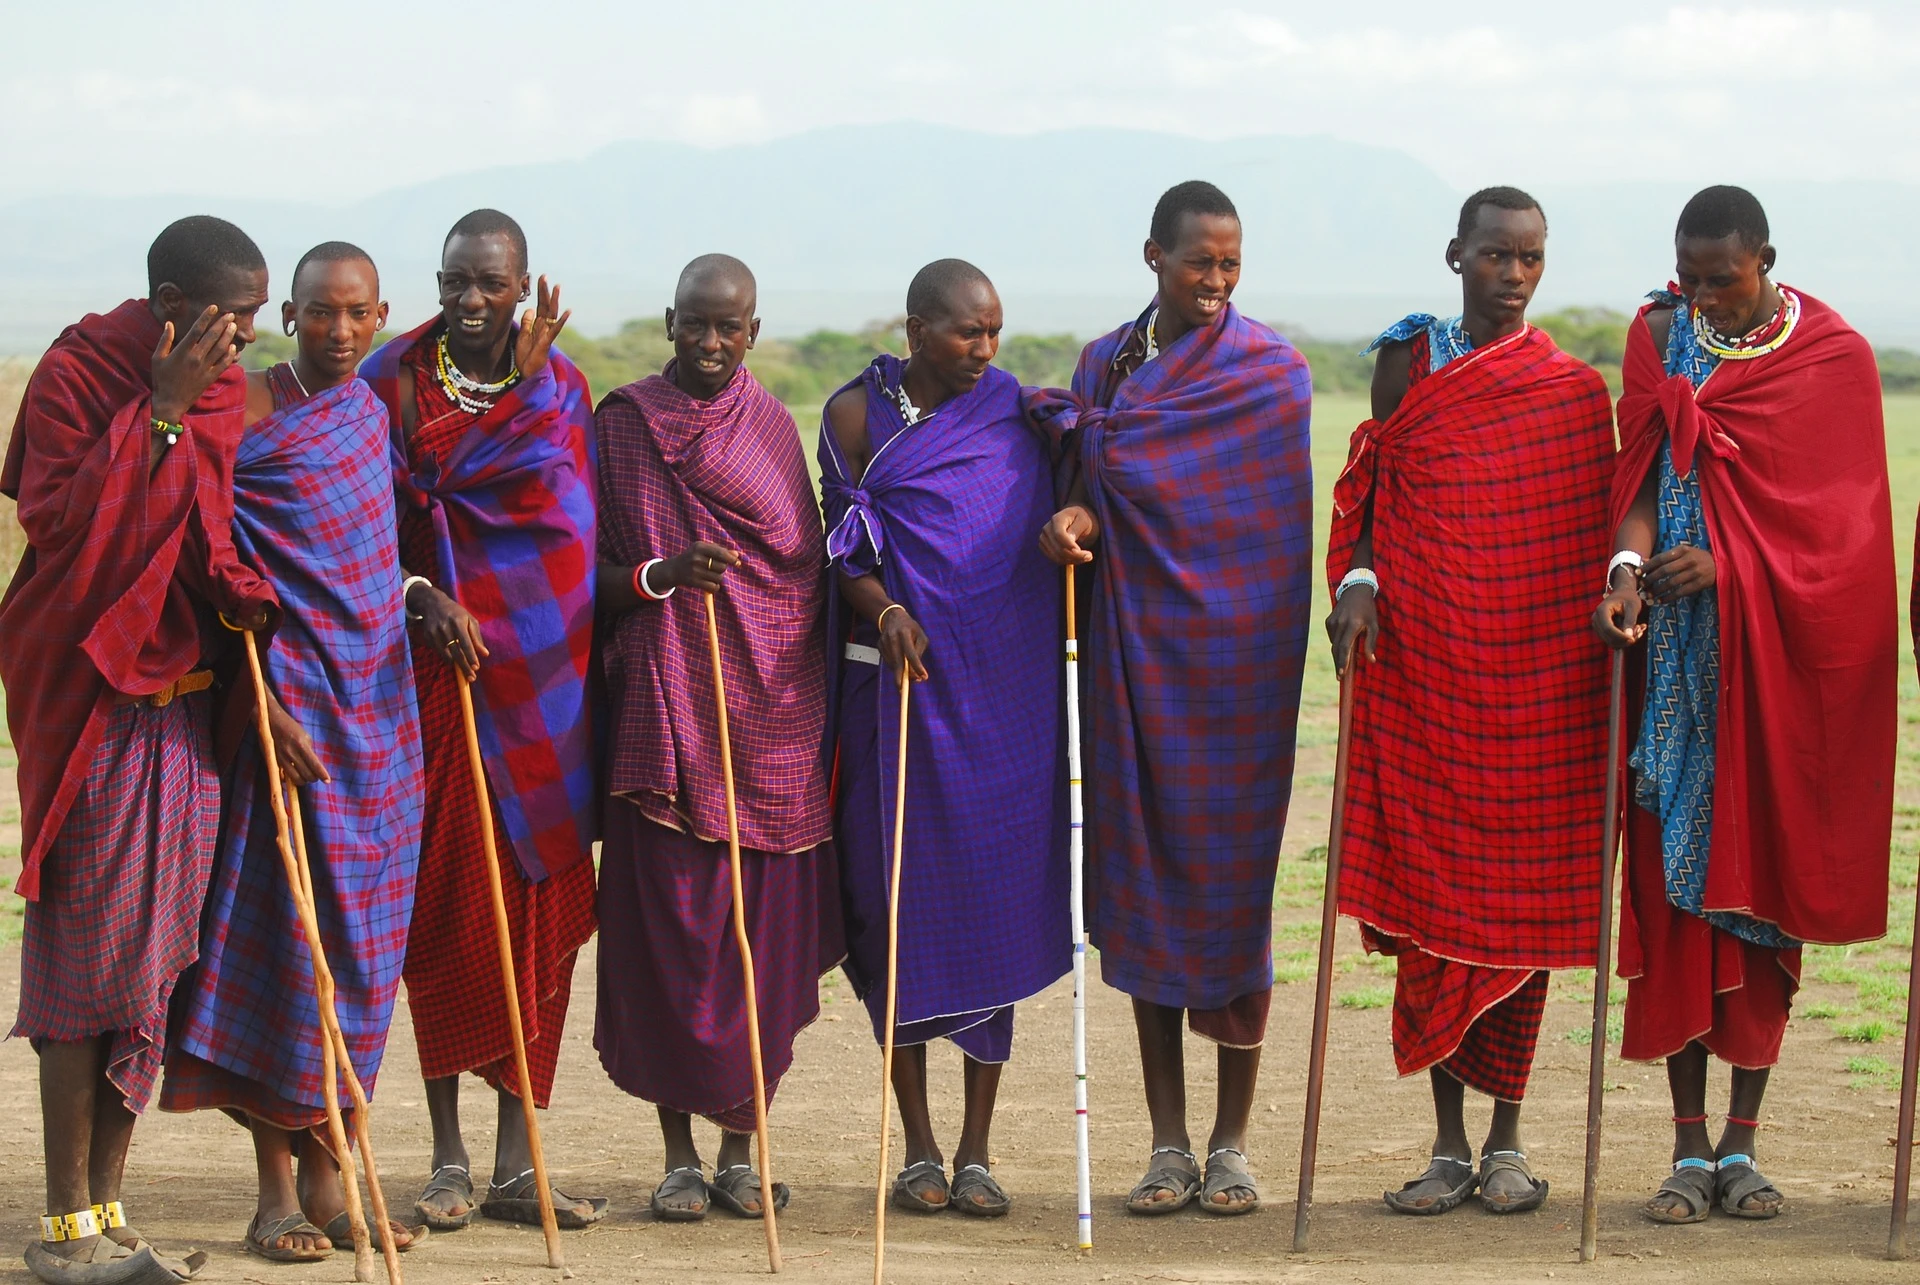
{"x":164,"y":697}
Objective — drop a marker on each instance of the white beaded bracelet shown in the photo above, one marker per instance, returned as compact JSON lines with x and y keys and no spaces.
{"x":1359,"y":575}
{"x":640,"y":579}
{"x":1624,"y":558}
{"x":406,"y":587}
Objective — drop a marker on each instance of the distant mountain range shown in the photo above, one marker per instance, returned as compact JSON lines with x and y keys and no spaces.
{"x":1341,"y":238}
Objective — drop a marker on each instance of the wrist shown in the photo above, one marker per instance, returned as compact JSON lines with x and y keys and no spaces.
{"x":1358,"y":578}
{"x":880,"y":621}
{"x":168,"y":412}
{"x":648,"y":583}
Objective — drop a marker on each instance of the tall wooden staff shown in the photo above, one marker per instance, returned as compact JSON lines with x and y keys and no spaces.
{"x":1076,"y":857}
{"x":1903,"y":1154}
{"x":548,"y":1224}
{"x":1323,"y":981}
{"x":893,"y":991}
{"x":298,"y":889}
{"x":1602,"y":972}
{"x":746,"y":951}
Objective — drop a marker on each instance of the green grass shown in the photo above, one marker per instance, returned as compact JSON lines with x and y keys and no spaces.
{"x":1367,"y":997}
{"x":1583,"y":1035}
{"x":1871,"y":1032}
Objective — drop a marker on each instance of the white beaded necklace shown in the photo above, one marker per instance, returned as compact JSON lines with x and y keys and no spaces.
{"x":473,"y":396}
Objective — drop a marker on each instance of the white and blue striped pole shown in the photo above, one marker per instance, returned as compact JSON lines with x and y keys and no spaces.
{"x":1076,"y":853}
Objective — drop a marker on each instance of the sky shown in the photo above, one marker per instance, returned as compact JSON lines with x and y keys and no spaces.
{"x":350,"y":98}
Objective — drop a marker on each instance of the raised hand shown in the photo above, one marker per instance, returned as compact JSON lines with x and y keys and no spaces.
{"x":183,"y":371}
{"x":539,"y":327}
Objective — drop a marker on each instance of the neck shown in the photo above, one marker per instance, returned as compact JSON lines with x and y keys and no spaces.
{"x":1484,"y":330}
{"x":1168,"y":326}
{"x":489,"y":366}
{"x":1763,"y":313}
{"x":690,"y":384}
{"x":922,"y":388}
{"x":312,"y":380}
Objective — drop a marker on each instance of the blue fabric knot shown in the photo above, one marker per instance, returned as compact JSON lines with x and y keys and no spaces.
{"x":857,"y":540}
{"x":1447,"y":339}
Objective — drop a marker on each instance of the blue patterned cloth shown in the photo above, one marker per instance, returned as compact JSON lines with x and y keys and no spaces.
{"x":1446,"y":340}
{"x":1674,"y":754}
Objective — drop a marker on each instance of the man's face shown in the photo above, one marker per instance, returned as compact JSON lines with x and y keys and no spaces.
{"x":240,"y":291}
{"x":1723,"y":279}
{"x":335,"y":311}
{"x":1501,"y":261}
{"x":481,"y":282}
{"x":958,"y":344}
{"x":1199,"y":272}
{"x":712,"y":326}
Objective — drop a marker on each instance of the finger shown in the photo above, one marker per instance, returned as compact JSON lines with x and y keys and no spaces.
{"x":561,"y":324}
{"x":1373,"y":640}
{"x":470,"y":628}
{"x":166,"y":341}
{"x":541,"y":295}
{"x":201,"y":325}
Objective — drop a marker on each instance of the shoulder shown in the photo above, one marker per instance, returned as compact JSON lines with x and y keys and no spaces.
{"x":1392,"y":374}
{"x":1659,"y":322}
{"x":847,"y":414}
{"x":259,"y":396}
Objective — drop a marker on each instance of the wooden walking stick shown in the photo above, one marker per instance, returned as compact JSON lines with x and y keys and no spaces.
{"x":322,"y":979}
{"x":746,"y":951}
{"x":549,"y":1225}
{"x":1076,"y":859}
{"x":337,"y":1043}
{"x":1602,"y":970}
{"x":1903,"y":1143}
{"x":893,"y":993}
{"x":1323,"y":980}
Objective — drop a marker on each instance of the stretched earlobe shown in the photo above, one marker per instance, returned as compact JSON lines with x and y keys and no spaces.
{"x":288,"y":327}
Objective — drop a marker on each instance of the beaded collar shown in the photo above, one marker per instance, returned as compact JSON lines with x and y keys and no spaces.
{"x":1760,"y":342}
{"x":472,"y":395}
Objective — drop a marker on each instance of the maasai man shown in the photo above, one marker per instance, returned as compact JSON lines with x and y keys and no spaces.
{"x":703,"y":485}
{"x":1755,"y":527}
{"x":1465,"y":529}
{"x":1186,"y":439}
{"x":493,"y":452}
{"x":122,"y":463}
{"x":313,"y":513}
{"x":933,"y":484}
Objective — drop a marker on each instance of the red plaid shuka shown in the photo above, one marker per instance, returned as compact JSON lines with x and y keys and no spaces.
{"x":122,"y":558}
{"x":1478,"y":777}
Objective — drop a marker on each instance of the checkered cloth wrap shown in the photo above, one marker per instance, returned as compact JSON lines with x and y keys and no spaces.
{"x":314,"y":512}
{"x":453,"y":968}
{"x":116,"y":923}
{"x":949,"y":510}
{"x":1479,"y":1025}
{"x":510,"y":497}
{"x":1488,"y":493}
{"x":1198,"y":471}
{"x":122,"y":560}
{"x":731,"y":472}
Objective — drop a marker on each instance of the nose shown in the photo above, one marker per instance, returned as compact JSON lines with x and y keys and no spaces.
{"x":341,"y":331}
{"x":243,"y":328}
{"x":710,"y":340}
{"x":471,"y":300}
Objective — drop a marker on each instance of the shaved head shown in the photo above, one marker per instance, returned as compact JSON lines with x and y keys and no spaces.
{"x":334,"y":252}
{"x":199,"y":254}
{"x":716,"y":275}
{"x":937,"y":288}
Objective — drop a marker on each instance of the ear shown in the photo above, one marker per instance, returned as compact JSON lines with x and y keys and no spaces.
{"x":753,"y":333}
{"x":1454,"y":253}
{"x":916,"y":335}
{"x":669,"y":323}
{"x":526,"y":287}
{"x":288,"y":314}
{"x":380,"y":317}
{"x":172,"y":300}
{"x":1153,"y":255}
{"x":1766,"y":259}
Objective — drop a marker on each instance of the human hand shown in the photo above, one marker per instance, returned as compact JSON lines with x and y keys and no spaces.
{"x":1617,"y":619}
{"x":299,"y":762}
{"x":1067,"y":533}
{"x":1354,"y":617}
{"x":701,"y":565}
{"x":902,"y":643}
{"x":1679,"y":572}
{"x":448,"y":628}
{"x":183,"y":371}
{"x":539,"y":327}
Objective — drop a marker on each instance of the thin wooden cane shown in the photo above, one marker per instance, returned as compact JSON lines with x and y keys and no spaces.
{"x":549,"y":1225}
{"x":1903,"y":1143}
{"x":343,"y":1057}
{"x":1076,"y":858}
{"x":316,"y":955}
{"x":893,"y":993}
{"x":1602,"y":969}
{"x":1323,"y":980}
{"x":767,"y":1214}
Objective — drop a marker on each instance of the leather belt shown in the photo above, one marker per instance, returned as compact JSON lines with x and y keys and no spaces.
{"x":197,"y":680}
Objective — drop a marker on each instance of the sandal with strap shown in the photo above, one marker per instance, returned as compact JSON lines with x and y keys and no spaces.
{"x":1460,"y":1179}
{"x":260,"y":1237}
{"x":930,"y":1171}
{"x":1224,"y":1177}
{"x":455,"y":1181}
{"x":971,"y":1181}
{"x":731,"y":1186}
{"x":684,"y":1181}
{"x":1736,"y":1181}
{"x":1691,"y":1182}
{"x":1494,"y":1162}
{"x":105,"y":1262}
{"x":112,"y":1217}
{"x":519,"y":1202}
{"x":340,"y":1232}
{"x":1183,"y":1183}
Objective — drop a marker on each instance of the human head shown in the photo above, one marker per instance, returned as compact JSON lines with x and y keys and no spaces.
{"x":483,"y":278}
{"x":1499,"y":250}
{"x":953,"y":324}
{"x":711,"y":323}
{"x":335,"y":310}
{"x":1722,"y":256}
{"x":201,"y":262}
{"x":1193,"y":247}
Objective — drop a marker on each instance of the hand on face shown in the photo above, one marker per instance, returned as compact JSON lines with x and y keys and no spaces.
{"x":183,"y":371}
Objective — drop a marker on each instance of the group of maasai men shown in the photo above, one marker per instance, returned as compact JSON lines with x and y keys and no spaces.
{"x":452,"y":514}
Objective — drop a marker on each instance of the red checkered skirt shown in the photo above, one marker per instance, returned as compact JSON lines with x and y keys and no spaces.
{"x":118,"y":918}
{"x":1479,"y":1025}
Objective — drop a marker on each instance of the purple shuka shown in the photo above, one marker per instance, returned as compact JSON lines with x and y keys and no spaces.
{"x":1197,"y":468}
{"x":949,"y":514}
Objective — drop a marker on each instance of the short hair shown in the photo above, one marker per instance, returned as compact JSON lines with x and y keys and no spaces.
{"x":334,"y":252}
{"x":1724,"y":211}
{"x":1195,"y":196}
{"x":193,"y":253}
{"x":490,"y":223}
{"x":1500,"y":198}
{"x":933,"y":287}
{"x":716,"y":265}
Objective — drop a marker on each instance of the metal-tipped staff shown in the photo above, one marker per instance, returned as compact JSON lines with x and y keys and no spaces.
{"x":1323,"y":980}
{"x":298,"y":889}
{"x":1602,"y":971}
{"x":549,"y":1225}
{"x":1076,"y":859}
{"x":893,"y":991}
{"x":767,"y":1217}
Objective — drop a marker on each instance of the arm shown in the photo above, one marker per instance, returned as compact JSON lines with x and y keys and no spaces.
{"x":701,"y":566}
{"x":1617,"y":618}
{"x":1068,"y":533}
{"x":1355,"y":615}
{"x":902,"y":642}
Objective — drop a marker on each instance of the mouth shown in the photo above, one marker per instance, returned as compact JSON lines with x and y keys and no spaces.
{"x":472,"y":325}
{"x":709,"y":365}
{"x":1209,"y":303}
{"x":1515,"y":301}
{"x":340,"y":354}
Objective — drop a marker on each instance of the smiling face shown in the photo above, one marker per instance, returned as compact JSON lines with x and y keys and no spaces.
{"x":957,"y":344}
{"x":712,"y":326}
{"x":1726,"y":281}
{"x":335,"y":312}
{"x":1501,"y":261}
{"x":482,"y":281}
{"x":1198,"y":274}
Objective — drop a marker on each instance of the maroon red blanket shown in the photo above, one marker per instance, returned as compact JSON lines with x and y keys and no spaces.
{"x":1792,"y":459}
{"x":1478,"y":757}
{"x":121,"y":559}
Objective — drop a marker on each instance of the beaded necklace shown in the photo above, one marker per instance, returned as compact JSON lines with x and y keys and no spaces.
{"x":471,"y":395}
{"x":1759,"y":343}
